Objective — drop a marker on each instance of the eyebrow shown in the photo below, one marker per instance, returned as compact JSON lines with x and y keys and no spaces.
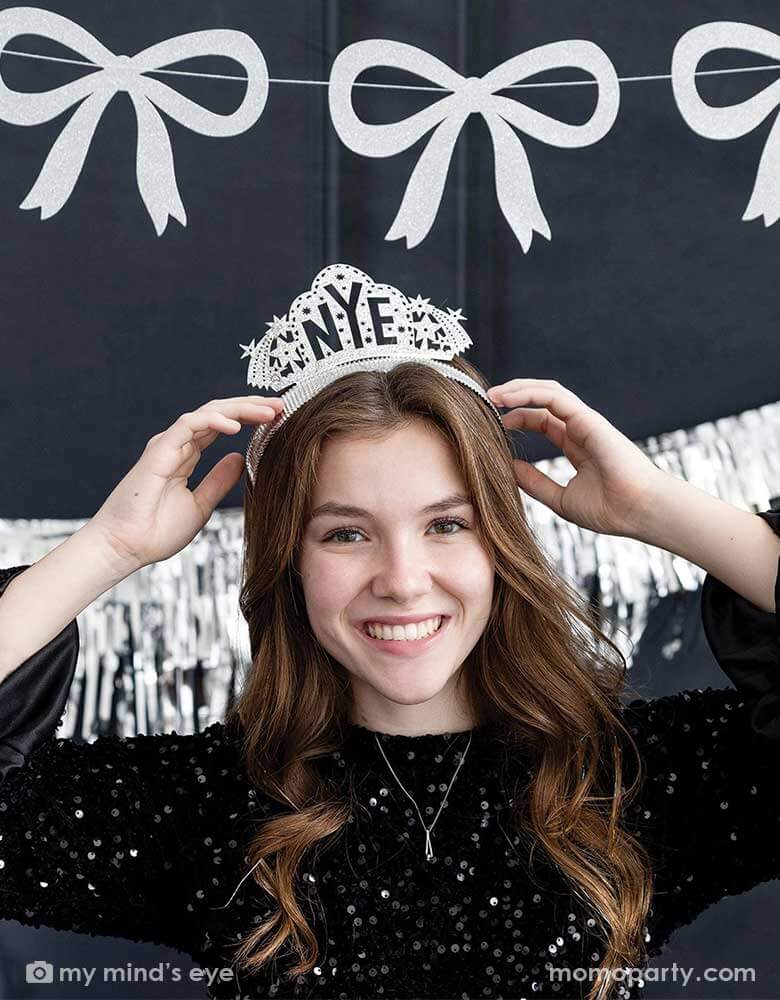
{"x":346,"y":510}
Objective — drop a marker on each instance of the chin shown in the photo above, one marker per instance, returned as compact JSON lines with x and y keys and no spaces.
{"x":415,"y":691}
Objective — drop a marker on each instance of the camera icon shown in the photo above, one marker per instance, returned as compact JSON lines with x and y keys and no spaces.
{"x":39,"y":972}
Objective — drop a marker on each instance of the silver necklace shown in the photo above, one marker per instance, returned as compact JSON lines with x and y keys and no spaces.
{"x":428,"y":829}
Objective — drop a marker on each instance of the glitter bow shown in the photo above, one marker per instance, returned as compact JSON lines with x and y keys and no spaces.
{"x":470,"y":95}
{"x":154,"y":159}
{"x":734,"y":120}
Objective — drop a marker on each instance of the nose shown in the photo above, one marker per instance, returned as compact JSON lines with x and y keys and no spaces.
{"x":402,"y":573}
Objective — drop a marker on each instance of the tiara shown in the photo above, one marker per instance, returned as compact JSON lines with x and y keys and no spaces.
{"x":347,"y":322}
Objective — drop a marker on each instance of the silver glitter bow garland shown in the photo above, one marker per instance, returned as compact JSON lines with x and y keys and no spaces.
{"x":470,"y":95}
{"x":154,"y":160}
{"x":165,"y":648}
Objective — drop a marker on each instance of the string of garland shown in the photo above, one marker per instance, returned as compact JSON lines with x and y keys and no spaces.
{"x":507,"y":118}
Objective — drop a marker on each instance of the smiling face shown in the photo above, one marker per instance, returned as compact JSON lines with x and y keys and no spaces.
{"x":396,"y":560}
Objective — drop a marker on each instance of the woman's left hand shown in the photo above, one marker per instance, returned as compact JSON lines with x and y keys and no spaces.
{"x":615,"y":481}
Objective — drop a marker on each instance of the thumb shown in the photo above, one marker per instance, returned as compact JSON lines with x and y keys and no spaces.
{"x":538,"y":485}
{"x":219,"y":482}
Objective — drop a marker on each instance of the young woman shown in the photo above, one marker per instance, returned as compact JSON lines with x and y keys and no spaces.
{"x":473,"y":812}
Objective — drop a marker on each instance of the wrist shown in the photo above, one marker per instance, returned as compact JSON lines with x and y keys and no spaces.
{"x":671,"y":511}
{"x":117,"y":564}
{"x":649,"y":522}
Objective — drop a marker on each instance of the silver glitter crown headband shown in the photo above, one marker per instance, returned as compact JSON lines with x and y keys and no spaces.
{"x":346,"y":322}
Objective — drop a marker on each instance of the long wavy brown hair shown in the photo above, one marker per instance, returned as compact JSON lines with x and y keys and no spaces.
{"x":542,"y":674}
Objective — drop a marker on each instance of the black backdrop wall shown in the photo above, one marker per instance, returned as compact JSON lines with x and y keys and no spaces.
{"x":652,"y":300}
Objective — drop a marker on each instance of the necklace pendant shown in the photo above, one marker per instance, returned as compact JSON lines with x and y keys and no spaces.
{"x":428,"y":845}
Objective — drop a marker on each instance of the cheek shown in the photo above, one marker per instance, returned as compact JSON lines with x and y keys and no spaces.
{"x":474,"y":573}
{"x":327,"y":584}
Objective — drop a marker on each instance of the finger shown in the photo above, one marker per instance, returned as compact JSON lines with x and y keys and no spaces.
{"x":218,"y":483}
{"x":178,"y":436}
{"x":274,"y":401}
{"x":581,"y":421}
{"x":188,"y":424}
{"x":184,"y":430}
{"x":244,"y":406}
{"x":247,"y":408}
{"x":202,"y":439}
{"x":250,"y":409}
{"x":562,"y":402}
{"x":259,"y":413}
{"x":538,"y":485}
{"x":521,"y":383}
{"x":541,"y":421}
{"x":187,"y":457}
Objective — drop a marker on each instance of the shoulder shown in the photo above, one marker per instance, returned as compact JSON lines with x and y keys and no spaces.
{"x":213,"y":743}
{"x":718,"y":711}
{"x":692,"y":721}
{"x":673,"y":707}
{"x":700,"y":750}
{"x":155,"y":765}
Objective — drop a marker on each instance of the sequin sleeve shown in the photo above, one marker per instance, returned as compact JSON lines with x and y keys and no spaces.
{"x":102,"y":838}
{"x":33,"y":697}
{"x":708,"y":810}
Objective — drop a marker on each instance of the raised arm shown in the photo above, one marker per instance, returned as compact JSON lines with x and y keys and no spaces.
{"x":111,"y":837}
{"x":41,"y":600}
{"x":736,"y":546}
{"x":617,"y":490}
{"x":149,"y":516}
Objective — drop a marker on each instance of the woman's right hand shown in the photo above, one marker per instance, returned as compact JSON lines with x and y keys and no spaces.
{"x":152,"y":514}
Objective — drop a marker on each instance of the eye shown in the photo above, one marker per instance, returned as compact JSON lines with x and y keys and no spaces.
{"x":459,"y":522}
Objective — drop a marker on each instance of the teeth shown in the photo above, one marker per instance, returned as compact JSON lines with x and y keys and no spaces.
{"x":403,"y":632}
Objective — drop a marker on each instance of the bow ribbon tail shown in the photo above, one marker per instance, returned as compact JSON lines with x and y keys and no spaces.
{"x":154,"y":167}
{"x":62,"y":166}
{"x":423,"y":193}
{"x":765,"y":197}
{"x":515,"y":184}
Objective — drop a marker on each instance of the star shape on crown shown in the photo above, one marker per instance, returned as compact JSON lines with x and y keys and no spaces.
{"x":277,"y":326}
{"x":249,"y":349}
{"x":456,"y":314}
{"x":419,"y":303}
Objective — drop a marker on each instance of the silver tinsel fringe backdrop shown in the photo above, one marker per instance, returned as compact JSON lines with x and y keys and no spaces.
{"x":167,"y":648}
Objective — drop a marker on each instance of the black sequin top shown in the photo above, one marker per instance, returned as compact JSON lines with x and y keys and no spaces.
{"x":144,"y":838}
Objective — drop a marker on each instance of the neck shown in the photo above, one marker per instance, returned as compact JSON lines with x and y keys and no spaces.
{"x":419,"y":727}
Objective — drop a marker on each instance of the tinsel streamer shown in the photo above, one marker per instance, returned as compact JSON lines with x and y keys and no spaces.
{"x":167,"y":648}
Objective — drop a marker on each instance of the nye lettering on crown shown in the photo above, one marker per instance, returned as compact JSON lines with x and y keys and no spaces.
{"x":346,"y":316}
